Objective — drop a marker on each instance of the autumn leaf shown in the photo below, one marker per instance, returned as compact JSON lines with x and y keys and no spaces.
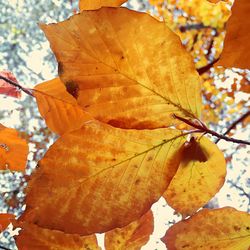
{"x":6,"y":88}
{"x":199,"y":177}
{"x":120,"y":74}
{"x":236,"y":51}
{"x":131,"y":237}
{"x":13,"y":150}
{"x":97,"y":4}
{"x":100,"y":177}
{"x":5,"y":220}
{"x":32,"y":237}
{"x":59,"y":109}
{"x":223,"y":228}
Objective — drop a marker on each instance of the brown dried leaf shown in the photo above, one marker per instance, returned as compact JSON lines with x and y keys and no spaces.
{"x":236,"y":51}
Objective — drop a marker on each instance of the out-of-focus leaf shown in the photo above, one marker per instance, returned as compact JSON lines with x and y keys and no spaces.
{"x":199,"y":177}
{"x":236,"y":51}
{"x":97,"y":4}
{"x":13,"y":150}
{"x":131,"y":237}
{"x":120,"y":74}
{"x":100,"y":177}
{"x":59,"y":109}
{"x":224,"y":228}
{"x":5,"y":220}
{"x":32,"y":237}
{"x":6,"y":88}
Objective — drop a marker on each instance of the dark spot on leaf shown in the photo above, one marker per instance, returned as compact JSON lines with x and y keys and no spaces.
{"x":86,"y":106}
{"x":122,"y":57}
{"x":137,"y":181}
{"x":72,"y":88}
{"x":150,"y":158}
{"x":113,"y":159}
{"x":247,"y":228}
{"x":184,"y":246}
{"x":193,"y":152}
{"x":237,"y":228}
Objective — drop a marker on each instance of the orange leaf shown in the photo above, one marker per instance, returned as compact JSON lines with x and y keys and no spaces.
{"x":6,"y":88}
{"x":121,"y":75}
{"x":13,"y":150}
{"x":32,"y":237}
{"x":131,"y":237}
{"x":97,"y":4}
{"x":224,"y":228}
{"x":100,"y":177}
{"x":236,"y":51}
{"x":5,"y":220}
{"x":199,"y":177}
{"x":59,"y":109}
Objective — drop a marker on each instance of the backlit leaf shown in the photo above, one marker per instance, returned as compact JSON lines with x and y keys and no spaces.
{"x":59,"y":109}
{"x":236,"y":51}
{"x":199,"y":177}
{"x":100,"y":177}
{"x":120,"y":74}
{"x":94,"y":5}
{"x":224,"y":228}
{"x":5,"y":220}
{"x":131,"y":237}
{"x":6,"y":88}
{"x":13,"y":150}
{"x":32,"y":237}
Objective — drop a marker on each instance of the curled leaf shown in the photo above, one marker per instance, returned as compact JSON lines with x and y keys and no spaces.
{"x":97,"y":4}
{"x":32,"y":237}
{"x":13,"y":150}
{"x":199,"y":177}
{"x":223,"y":228}
{"x":100,"y":177}
{"x":120,"y":74}
{"x":131,"y":237}
{"x":59,"y":109}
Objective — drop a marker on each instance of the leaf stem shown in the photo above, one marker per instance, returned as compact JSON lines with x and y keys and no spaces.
{"x":27,"y":91}
{"x":234,"y":124}
{"x":202,"y":127}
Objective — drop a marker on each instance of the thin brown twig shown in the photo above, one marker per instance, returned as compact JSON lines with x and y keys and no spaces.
{"x":234,"y":124}
{"x":27,"y":91}
{"x":201,"y":126}
{"x":205,"y":68}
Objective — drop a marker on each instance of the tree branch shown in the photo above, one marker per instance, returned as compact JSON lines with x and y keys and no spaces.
{"x":240,"y":188}
{"x":4,"y":248}
{"x":202,"y":127}
{"x":234,"y":124}
{"x":27,"y":91}
{"x":205,"y":68}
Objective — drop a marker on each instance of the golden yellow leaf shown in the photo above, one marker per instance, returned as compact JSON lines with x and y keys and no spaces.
{"x":100,"y":177}
{"x":130,"y":70}
{"x":13,"y":150}
{"x":199,"y":177}
{"x":131,"y":237}
{"x":223,"y":228}
{"x":236,"y":51}
{"x":32,"y":237}
{"x":5,"y":220}
{"x":59,"y":109}
{"x":97,"y":4}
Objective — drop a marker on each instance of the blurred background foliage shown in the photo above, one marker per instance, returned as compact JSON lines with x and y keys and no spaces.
{"x":201,"y":28}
